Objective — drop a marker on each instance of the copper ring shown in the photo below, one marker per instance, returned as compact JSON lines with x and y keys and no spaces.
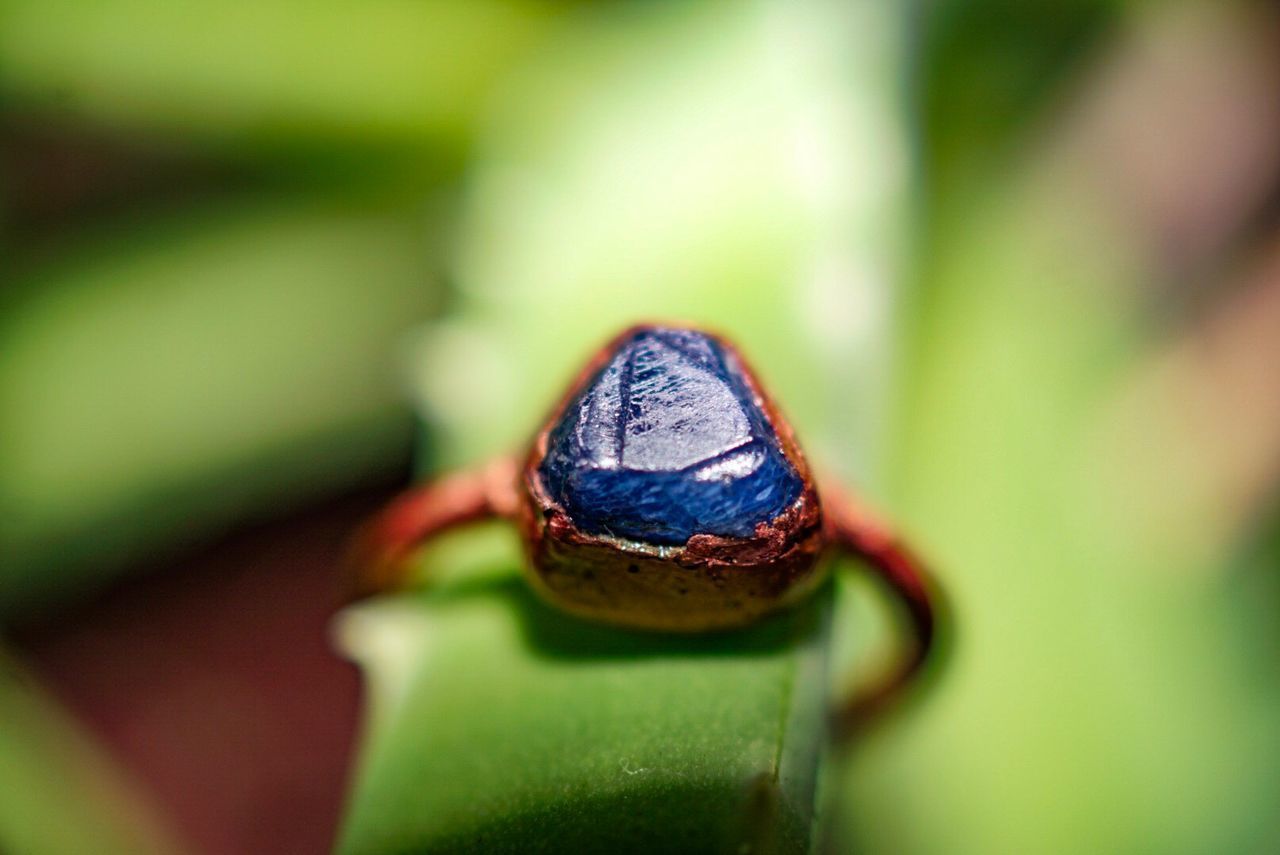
{"x":710,"y":582}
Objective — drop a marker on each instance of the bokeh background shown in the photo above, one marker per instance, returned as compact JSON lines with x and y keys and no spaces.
{"x":1013,"y":268}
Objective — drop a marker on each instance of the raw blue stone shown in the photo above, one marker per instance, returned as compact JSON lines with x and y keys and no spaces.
{"x":667,"y":441}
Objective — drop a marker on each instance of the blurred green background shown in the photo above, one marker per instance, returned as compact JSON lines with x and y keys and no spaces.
{"x":1011,"y":268}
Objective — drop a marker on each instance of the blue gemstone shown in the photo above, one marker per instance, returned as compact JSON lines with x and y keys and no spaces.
{"x":667,"y":441}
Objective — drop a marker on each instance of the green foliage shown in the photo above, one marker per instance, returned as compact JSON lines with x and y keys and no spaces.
{"x":988,"y":71}
{"x":735,"y":165}
{"x":1101,"y":696}
{"x":497,"y":723}
{"x":669,"y":162}
{"x":206,"y":371}
{"x":740,"y":168}
{"x":267,"y":74}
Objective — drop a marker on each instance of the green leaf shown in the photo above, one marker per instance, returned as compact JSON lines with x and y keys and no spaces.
{"x":59,"y":793}
{"x":710,"y":163}
{"x":156,"y":389}
{"x":267,"y":72}
{"x":1102,"y":696}
{"x":742,"y":168}
{"x":497,"y":723}
{"x":988,"y":70}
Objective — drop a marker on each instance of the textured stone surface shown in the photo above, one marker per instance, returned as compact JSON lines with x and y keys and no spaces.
{"x":667,"y":441}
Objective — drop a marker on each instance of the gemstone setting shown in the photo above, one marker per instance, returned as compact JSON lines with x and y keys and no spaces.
{"x":668,"y":439}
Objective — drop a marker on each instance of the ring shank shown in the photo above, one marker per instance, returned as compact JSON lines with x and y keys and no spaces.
{"x":380,"y":559}
{"x":383,"y":549}
{"x":857,"y":531}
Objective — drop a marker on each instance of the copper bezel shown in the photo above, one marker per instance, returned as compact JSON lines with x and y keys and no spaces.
{"x":710,"y":582}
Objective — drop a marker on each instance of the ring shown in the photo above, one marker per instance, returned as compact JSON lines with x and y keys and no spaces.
{"x":666,"y":492}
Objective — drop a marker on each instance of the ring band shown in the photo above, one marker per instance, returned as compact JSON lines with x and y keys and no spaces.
{"x":616,"y":533}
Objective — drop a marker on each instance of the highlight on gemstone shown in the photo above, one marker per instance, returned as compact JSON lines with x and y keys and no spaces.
{"x":667,"y":441}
